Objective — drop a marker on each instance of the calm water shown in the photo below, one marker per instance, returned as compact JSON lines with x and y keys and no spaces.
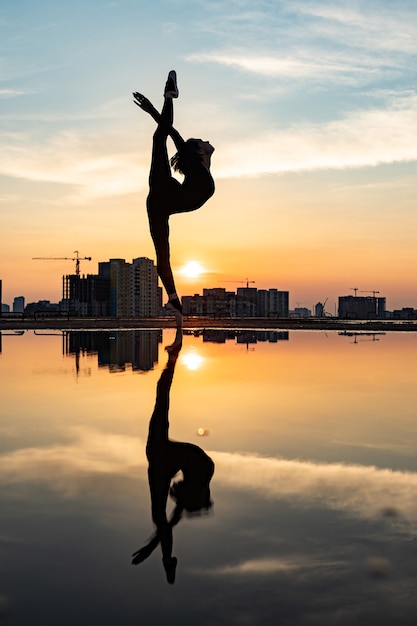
{"x":314,"y":439}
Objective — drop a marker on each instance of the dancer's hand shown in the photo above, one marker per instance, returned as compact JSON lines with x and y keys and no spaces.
{"x":142,"y":102}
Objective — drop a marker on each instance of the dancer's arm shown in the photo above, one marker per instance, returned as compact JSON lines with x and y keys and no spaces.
{"x":148,"y":107}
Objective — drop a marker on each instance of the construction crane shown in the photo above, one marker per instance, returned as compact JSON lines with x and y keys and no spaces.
{"x":247,"y":281}
{"x":77,"y":260}
{"x":372,"y":291}
{"x":355,"y":289}
{"x":321,"y":309}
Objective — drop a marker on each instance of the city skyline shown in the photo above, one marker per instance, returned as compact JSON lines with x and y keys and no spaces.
{"x":311,"y":108}
{"x":327,"y":308}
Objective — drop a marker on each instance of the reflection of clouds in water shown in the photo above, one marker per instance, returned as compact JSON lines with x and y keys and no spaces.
{"x":365,"y":492}
{"x":272,"y":565}
{"x":63,"y":466}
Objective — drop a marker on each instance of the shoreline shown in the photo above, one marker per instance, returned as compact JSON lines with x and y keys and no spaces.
{"x":189,"y":323}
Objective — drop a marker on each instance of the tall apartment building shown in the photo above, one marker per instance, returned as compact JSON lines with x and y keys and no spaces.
{"x":272,"y":303}
{"x":120,"y":289}
{"x":146,"y":295}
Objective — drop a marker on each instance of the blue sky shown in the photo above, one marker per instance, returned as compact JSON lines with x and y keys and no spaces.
{"x":303,"y":101}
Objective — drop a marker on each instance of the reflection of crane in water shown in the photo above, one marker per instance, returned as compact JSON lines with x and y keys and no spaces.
{"x":77,"y":260}
{"x":354,"y":334}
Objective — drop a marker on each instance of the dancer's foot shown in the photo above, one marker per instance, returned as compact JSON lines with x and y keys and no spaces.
{"x":178,"y":316}
{"x":175,"y":347}
{"x":142,"y":554}
{"x":170,"y":565}
{"x":171,"y":88}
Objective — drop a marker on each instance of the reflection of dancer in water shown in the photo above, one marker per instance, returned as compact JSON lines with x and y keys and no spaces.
{"x":166,"y":194}
{"x":166,"y":458}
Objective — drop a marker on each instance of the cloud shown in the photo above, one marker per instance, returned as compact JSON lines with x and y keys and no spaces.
{"x":363,"y":491}
{"x":367,"y":492}
{"x":360,"y":139}
{"x":63,"y":466}
{"x":67,"y":158}
{"x":375,"y":28}
{"x":12,"y":93}
{"x":268,"y":566}
{"x":303,"y":65}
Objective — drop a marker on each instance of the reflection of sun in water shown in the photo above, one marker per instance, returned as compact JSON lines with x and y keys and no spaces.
{"x":192,"y":269}
{"x":192,"y":360}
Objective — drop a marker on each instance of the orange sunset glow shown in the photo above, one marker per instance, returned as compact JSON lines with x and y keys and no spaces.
{"x":314,"y":162}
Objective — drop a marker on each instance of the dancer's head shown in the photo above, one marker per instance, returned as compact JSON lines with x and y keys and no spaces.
{"x":193,"y":493}
{"x":193,"y":151}
{"x":192,"y":498}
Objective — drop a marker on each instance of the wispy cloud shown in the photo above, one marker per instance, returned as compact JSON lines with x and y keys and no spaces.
{"x":377,"y":27}
{"x":83,"y":163}
{"x":63,"y":466}
{"x":360,"y":139}
{"x":307,"y":65}
{"x":266,"y":566}
{"x":13,"y":93}
{"x":317,"y":43}
{"x":364,"y":491}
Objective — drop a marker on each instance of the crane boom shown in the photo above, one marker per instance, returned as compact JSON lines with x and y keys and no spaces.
{"x":247,"y":281}
{"x":77,"y":259}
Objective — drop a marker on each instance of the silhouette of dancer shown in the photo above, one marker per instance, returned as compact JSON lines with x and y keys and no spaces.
{"x":166,"y":458}
{"x":166,"y":194}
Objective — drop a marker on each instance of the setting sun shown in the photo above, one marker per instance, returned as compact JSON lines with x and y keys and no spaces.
{"x":192,"y":269}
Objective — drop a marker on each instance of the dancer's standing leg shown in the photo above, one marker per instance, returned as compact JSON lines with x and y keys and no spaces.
{"x":163,"y":189}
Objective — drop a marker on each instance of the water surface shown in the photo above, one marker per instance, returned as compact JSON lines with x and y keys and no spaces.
{"x":313,"y":435}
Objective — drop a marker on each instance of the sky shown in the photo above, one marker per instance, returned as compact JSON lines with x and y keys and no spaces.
{"x":312,"y":109}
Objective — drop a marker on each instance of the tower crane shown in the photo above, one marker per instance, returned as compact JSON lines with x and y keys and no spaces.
{"x":372,"y":291}
{"x":355,"y":289}
{"x":77,"y":260}
{"x":247,"y":281}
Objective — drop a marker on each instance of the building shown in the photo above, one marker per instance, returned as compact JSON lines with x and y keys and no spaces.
{"x":272,"y":303}
{"x":120,"y":289}
{"x":361,"y":307}
{"x":146,"y":296}
{"x":42,"y":306}
{"x":215,"y":302}
{"x":247,"y":302}
{"x":301,"y":311}
{"x":406,"y":313}
{"x":19,"y":304}
{"x":86,"y":295}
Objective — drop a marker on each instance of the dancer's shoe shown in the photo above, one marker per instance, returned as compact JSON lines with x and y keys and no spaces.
{"x":171,"y":87}
{"x":170,"y":565}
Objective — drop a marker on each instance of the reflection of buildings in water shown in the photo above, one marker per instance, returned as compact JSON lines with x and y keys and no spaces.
{"x":240,"y":336}
{"x":116,"y":349}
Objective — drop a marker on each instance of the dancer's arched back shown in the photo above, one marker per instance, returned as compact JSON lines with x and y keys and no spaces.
{"x":166,"y":194}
